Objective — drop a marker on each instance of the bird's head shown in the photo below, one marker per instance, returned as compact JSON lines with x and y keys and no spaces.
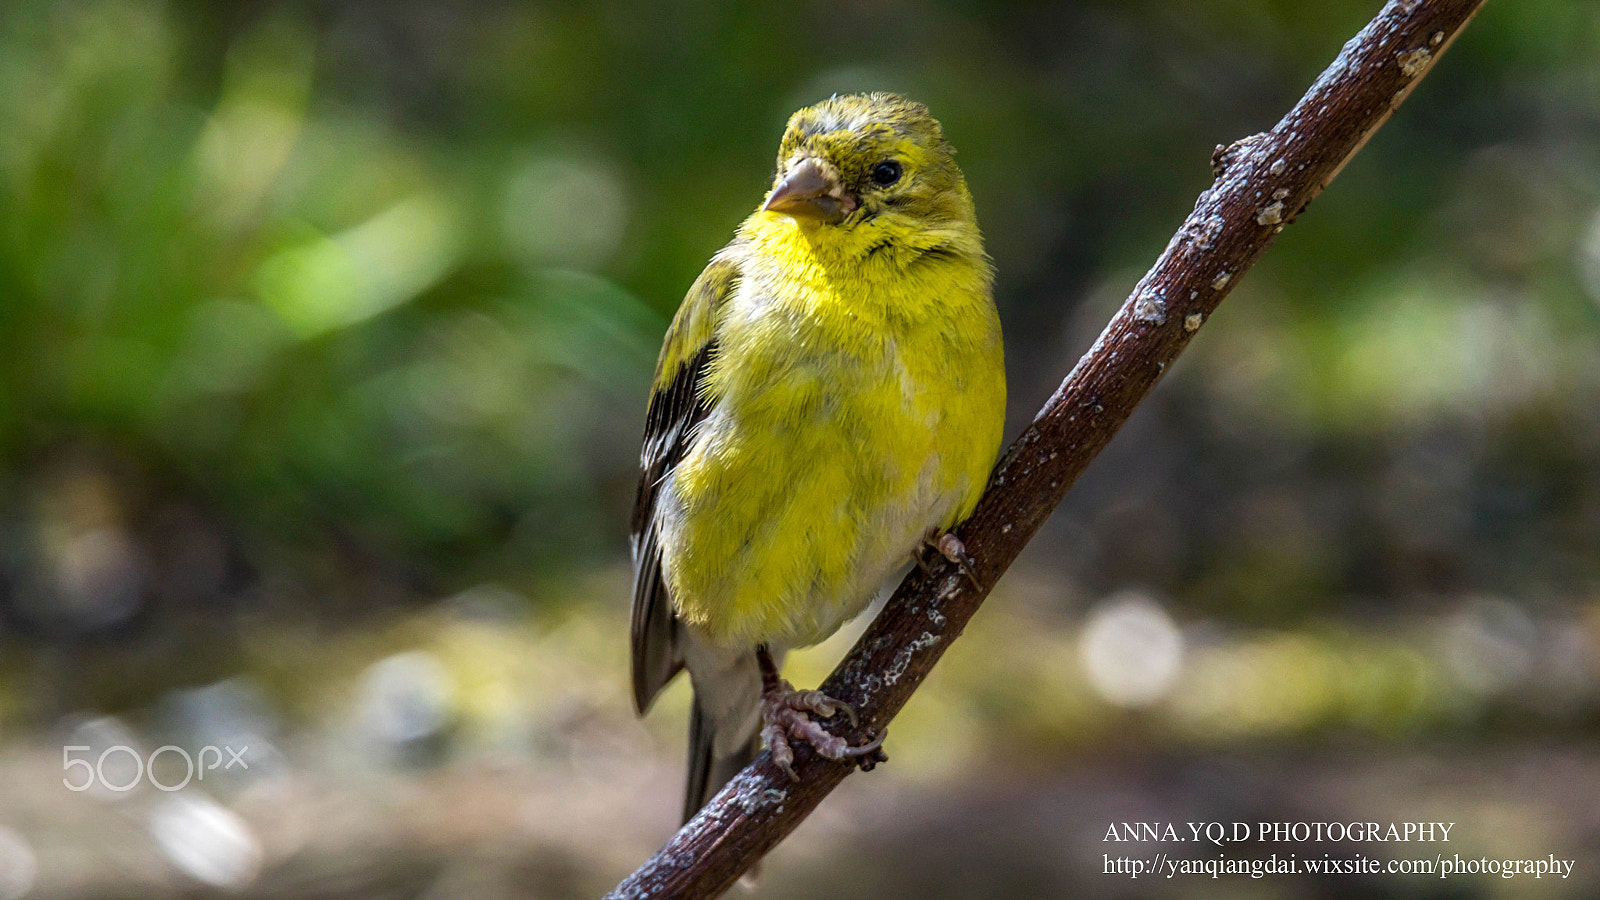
{"x":868,"y":160}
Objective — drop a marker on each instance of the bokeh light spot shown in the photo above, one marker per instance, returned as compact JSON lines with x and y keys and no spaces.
{"x":1131,"y":649}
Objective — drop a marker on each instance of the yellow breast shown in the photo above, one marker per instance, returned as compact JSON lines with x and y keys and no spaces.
{"x":858,"y":399}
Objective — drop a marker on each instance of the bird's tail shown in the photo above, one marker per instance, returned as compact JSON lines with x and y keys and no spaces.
{"x":724,"y":722}
{"x":708,"y":769}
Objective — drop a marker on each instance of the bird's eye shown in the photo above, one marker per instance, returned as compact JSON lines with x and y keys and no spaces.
{"x":886,"y":173}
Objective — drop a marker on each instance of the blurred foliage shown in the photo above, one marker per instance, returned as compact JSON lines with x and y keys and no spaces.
{"x":315,"y":313}
{"x":395,"y":281}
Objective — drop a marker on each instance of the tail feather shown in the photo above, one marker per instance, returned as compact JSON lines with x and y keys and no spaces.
{"x":725,"y":720}
{"x":708,"y":771}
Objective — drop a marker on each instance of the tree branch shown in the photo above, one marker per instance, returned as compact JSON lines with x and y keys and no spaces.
{"x":1262,"y":183}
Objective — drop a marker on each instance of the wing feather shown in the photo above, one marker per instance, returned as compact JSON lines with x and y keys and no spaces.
{"x":676,"y":406}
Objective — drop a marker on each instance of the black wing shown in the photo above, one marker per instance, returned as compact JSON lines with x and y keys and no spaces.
{"x":676,"y":407}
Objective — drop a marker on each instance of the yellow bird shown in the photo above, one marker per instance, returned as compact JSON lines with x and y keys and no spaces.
{"x":828,"y":401}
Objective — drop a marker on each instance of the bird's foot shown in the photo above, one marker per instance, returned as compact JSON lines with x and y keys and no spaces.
{"x":950,"y":547}
{"x":786,"y":716}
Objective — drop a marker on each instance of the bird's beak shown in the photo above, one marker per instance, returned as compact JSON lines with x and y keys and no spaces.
{"x":811,"y":192}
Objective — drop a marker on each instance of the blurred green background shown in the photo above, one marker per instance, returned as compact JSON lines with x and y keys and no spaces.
{"x":326,"y":331}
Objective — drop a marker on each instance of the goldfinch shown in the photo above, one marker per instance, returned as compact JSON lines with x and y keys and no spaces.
{"x":829,"y":400}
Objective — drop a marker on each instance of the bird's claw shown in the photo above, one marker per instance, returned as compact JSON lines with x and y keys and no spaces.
{"x":786,"y":714}
{"x":951,"y":548}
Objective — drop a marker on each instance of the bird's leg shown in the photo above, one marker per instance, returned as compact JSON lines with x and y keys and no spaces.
{"x":951,"y":548}
{"x":918,"y":557}
{"x":786,"y":715}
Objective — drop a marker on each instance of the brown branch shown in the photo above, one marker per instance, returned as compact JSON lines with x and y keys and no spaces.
{"x":1263,"y":182}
